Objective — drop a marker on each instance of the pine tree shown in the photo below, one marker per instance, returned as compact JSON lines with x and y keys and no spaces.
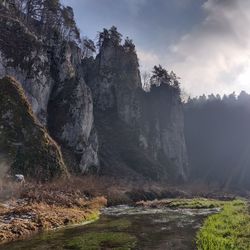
{"x":129,"y":45}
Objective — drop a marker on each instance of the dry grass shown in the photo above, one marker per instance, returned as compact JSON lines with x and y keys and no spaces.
{"x":36,"y":207}
{"x":119,"y":191}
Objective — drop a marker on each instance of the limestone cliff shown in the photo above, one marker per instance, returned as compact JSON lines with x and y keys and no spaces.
{"x":109,"y":122}
{"x":140,"y":133}
{"x":23,"y":141}
{"x":162,"y":130}
{"x":46,"y":63}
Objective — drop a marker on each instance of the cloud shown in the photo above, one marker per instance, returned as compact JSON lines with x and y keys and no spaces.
{"x":147,"y":59}
{"x":135,"y":6}
{"x":215,"y":55}
{"x":206,"y":42}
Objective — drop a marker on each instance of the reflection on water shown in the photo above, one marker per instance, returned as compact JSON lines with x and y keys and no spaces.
{"x":124,"y":228}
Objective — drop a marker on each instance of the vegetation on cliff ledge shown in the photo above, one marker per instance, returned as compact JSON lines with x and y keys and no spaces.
{"x":25,"y":143}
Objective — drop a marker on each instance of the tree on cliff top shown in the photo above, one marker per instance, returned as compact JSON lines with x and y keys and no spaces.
{"x":48,"y":18}
{"x":129,"y":45}
{"x":161,"y":76}
{"x":111,"y":36}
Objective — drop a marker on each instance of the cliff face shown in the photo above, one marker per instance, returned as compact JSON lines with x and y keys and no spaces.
{"x":70,"y":111}
{"x":47,"y":66}
{"x":140,"y":133}
{"x":162,"y":130}
{"x":23,"y":141}
{"x":110,"y":121}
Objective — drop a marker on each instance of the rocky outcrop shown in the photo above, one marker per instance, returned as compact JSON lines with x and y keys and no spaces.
{"x":24,"y":56}
{"x":23,"y":141}
{"x":70,"y":112}
{"x":47,"y":66}
{"x":162,"y":130}
{"x":127,"y":131}
{"x":140,"y":133}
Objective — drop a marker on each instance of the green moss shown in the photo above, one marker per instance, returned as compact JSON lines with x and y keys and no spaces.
{"x":102,"y":240}
{"x":228,"y":230}
{"x":25,"y":142}
{"x":120,"y":224}
{"x":93,"y":216}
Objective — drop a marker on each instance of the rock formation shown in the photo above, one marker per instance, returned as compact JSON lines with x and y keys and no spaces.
{"x":47,"y":66}
{"x":24,"y":142}
{"x":127,"y":131}
{"x":139,"y":131}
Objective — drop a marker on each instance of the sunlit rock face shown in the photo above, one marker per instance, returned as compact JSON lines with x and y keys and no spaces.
{"x":70,"y":112}
{"x":24,"y":56}
{"x":47,"y":66}
{"x":140,"y":133}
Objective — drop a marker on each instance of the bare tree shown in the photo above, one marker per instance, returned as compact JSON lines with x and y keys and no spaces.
{"x":88,"y":47}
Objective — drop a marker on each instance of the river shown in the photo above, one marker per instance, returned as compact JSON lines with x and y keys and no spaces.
{"x":124,"y":228}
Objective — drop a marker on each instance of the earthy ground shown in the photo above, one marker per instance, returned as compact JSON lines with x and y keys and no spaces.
{"x":29,"y":209}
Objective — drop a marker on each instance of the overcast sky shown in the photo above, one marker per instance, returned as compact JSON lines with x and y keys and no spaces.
{"x":206,"y":42}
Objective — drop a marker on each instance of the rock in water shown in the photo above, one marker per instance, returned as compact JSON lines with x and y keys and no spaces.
{"x":23,"y":140}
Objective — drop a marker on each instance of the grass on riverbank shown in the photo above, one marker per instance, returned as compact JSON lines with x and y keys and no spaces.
{"x":227,"y":230}
{"x":195,"y":203}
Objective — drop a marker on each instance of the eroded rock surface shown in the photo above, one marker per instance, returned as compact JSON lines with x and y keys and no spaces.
{"x":140,"y":132}
{"x":47,"y":66}
{"x":25,"y":143}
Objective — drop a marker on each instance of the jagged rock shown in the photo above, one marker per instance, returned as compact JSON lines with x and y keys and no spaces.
{"x":70,"y":112}
{"x":162,"y":129}
{"x":24,"y":56}
{"x":23,"y":140}
{"x":135,"y":134}
{"x":138,"y":131}
{"x":47,"y":66}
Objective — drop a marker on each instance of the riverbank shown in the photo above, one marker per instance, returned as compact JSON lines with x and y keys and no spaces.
{"x":32,"y":208}
{"x":125,"y":227}
{"x":37,"y":208}
{"x":227,"y":229}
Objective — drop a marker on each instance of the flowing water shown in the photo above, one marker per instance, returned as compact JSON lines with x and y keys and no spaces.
{"x":123,"y":228}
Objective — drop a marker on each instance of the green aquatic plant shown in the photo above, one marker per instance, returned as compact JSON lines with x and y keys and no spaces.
{"x":102,"y":240}
{"x":118,"y":224}
{"x":227,"y":230}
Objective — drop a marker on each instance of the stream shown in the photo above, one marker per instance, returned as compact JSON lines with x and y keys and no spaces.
{"x":123,"y":228}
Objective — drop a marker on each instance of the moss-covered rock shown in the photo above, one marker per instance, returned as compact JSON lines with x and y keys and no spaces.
{"x":23,"y":140}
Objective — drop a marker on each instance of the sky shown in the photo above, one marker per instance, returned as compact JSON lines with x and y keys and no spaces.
{"x":205,"y":42}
